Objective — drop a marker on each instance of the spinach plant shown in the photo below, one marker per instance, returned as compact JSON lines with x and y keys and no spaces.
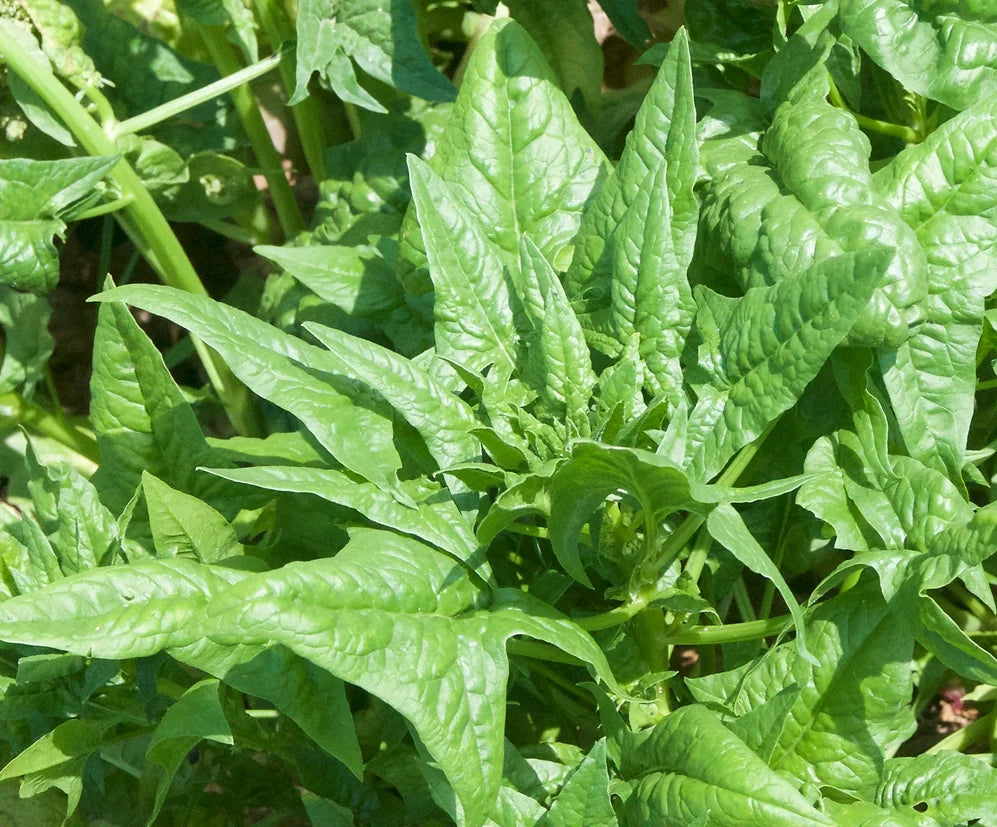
{"x":567,"y":479}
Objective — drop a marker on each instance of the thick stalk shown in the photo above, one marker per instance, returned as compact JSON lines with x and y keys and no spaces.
{"x":141,"y":218}
{"x":270,"y":161}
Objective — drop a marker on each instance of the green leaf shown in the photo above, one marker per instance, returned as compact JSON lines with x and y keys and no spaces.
{"x":392,"y":616}
{"x":227,"y":13}
{"x":184,"y":526}
{"x":565,"y":36}
{"x":435,"y":521}
{"x":28,"y":557}
{"x":474,"y":322}
{"x":945,"y":51}
{"x":595,"y":471}
{"x":58,"y":758}
{"x":760,"y":352}
{"x":943,"y":188}
{"x":356,"y":279}
{"x":768,"y":215}
{"x":118,"y":611}
{"x":387,"y":613}
{"x":956,"y":788}
{"x":650,"y":294}
{"x":543,"y":166}
{"x":442,"y":419}
{"x":692,"y":767}
{"x":141,"y":418}
{"x":27,"y":342}
{"x":584,"y":798}
{"x":626,"y":19}
{"x":384,"y":42}
{"x":558,"y":363}
{"x":727,"y":528}
{"x":731,"y":30}
{"x":284,"y":370}
{"x":197,"y":715}
{"x":852,"y":709}
{"x":81,"y":529}
{"x":663,"y":138}
{"x":34,"y":198}
{"x":309,"y":695}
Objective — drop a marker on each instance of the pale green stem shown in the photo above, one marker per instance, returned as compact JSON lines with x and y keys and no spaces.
{"x":170,"y":109}
{"x":743,"y":601}
{"x":141,"y":218}
{"x":730,"y":632}
{"x":894,"y":130}
{"x":246,"y":106}
{"x":104,"y":209}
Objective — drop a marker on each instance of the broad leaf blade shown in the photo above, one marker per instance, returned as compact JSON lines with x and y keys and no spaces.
{"x":760,"y":352}
{"x":664,"y":137}
{"x":543,"y":166}
{"x":692,"y":766}
{"x":943,"y":51}
{"x":943,"y":188}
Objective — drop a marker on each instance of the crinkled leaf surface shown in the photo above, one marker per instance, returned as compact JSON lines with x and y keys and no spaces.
{"x":852,"y":709}
{"x":690,"y":766}
{"x":141,"y":418}
{"x":944,"y":188}
{"x":662,"y":145}
{"x":472,"y":304}
{"x":759,"y":352}
{"x":387,"y":613}
{"x":955,"y":787}
{"x":802,"y":195}
{"x":285,"y":370}
{"x":944,"y":50}
{"x":34,"y":198}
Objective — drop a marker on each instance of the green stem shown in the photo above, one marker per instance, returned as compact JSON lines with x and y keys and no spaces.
{"x":986,"y":385}
{"x":743,"y":601}
{"x":17,"y":411}
{"x":233,"y":231}
{"x":103,"y":209}
{"x":612,"y":618}
{"x":270,"y":161}
{"x":306,"y":114}
{"x":170,"y":109}
{"x":656,"y":647}
{"x":141,"y":218}
{"x":730,"y":632}
{"x":692,"y":523}
{"x":527,"y":530}
{"x":894,"y":130}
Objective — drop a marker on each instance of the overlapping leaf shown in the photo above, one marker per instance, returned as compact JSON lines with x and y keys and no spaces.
{"x":944,"y":189}
{"x":387,"y":613}
{"x":946,"y":51}
{"x":542,"y":166}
